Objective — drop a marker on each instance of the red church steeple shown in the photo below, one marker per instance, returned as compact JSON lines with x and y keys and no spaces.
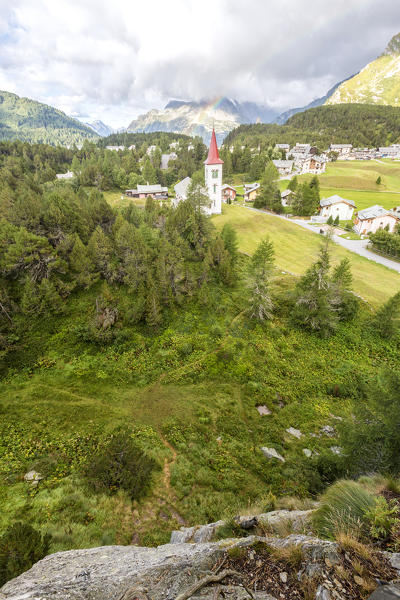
{"x":213,"y":156}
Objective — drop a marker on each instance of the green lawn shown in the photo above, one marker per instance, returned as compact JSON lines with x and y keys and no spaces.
{"x":356,"y":180}
{"x":117,"y":198}
{"x":296,"y":248}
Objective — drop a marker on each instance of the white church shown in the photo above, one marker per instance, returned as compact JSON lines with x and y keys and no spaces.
{"x":212,"y":179}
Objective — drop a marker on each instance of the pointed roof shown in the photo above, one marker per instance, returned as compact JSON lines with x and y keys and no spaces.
{"x":213,"y":156}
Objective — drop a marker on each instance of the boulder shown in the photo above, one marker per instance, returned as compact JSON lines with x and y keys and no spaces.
{"x":198,"y":534}
{"x":272,"y":453}
{"x":328,"y":430}
{"x":386,"y":592}
{"x":263,"y":410}
{"x":307,"y":452}
{"x":297,"y":521}
{"x":336,"y":450}
{"x":295,"y":432}
{"x":33,"y":477}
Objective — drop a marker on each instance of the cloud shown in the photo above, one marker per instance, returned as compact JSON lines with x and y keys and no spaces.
{"x":113,"y":60}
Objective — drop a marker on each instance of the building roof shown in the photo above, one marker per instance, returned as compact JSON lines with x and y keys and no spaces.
{"x":181,"y":188}
{"x":151,"y":189}
{"x":375,"y":212}
{"x":335,"y":199}
{"x":226,"y":185}
{"x":341,"y":145}
{"x":286,"y":193}
{"x":282,"y":146}
{"x":283,"y":164}
{"x":213,"y":155}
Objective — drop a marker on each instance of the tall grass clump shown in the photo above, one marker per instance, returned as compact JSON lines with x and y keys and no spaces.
{"x":343,"y":509}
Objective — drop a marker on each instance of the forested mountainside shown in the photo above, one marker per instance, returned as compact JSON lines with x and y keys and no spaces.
{"x":362,"y":125}
{"x":377,"y":83}
{"x":31,"y":121}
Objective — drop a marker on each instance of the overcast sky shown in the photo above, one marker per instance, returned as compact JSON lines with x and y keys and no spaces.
{"x":115,"y":59}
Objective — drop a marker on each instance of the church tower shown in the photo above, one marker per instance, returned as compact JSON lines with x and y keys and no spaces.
{"x":213,"y":177}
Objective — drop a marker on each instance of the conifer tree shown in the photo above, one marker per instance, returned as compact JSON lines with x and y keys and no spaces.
{"x":219,"y":260}
{"x":293,"y":184}
{"x":81,"y":264}
{"x":231,"y":243}
{"x":387,"y":318}
{"x":260,"y":271}
{"x":153,"y":308}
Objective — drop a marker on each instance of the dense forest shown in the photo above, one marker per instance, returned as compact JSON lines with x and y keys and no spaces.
{"x":30,"y":121}
{"x":362,"y":125}
{"x":133,"y":338}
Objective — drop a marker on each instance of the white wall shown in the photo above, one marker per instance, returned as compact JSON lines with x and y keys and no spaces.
{"x":210,"y":181}
{"x":366,"y":227}
{"x":345,"y":211}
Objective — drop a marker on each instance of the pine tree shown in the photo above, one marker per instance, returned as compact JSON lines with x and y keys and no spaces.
{"x":313,"y":307}
{"x":293,"y":184}
{"x":260,"y":271}
{"x":387,"y":318}
{"x":81,"y":264}
{"x":219,"y":260}
{"x":231,"y":243}
{"x":153,"y":308}
{"x":336,"y":221}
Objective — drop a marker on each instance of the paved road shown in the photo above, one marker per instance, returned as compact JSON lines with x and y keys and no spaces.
{"x":357,"y":246}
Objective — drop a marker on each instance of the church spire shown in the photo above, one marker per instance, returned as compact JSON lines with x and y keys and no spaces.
{"x":213,"y":155}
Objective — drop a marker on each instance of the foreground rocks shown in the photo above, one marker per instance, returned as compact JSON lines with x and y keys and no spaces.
{"x":272,"y":568}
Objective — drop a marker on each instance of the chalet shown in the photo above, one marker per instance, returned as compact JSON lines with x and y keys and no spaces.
{"x":313,"y":164}
{"x":144,"y":191}
{"x":151,"y":149}
{"x":335,"y":206}
{"x":228,"y":192}
{"x":181,"y":190}
{"x":284,"y":167}
{"x":373,"y":218}
{"x":392,"y":151}
{"x":287,"y":197}
{"x":251,"y":191}
{"x":67,"y":175}
{"x":132,"y":147}
{"x":174,"y":145}
{"x":342,"y":149}
{"x":115,"y":148}
{"x":285,"y":147}
{"x":165,"y":158}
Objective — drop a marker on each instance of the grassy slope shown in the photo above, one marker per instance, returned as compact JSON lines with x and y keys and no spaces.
{"x":356,"y":180}
{"x":296,"y":248}
{"x":190,"y":393}
{"x":377,"y":83}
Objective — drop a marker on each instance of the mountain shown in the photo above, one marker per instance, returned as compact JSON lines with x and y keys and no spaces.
{"x":282,"y":118}
{"x":377,"y":83}
{"x":100,"y":128}
{"x":198,"y":118}
{"x":30,"y":121}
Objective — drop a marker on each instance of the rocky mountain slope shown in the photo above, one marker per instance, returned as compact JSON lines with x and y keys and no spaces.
{"x":199,"y":118}
{"x":100,"y":128}
{"x":30,"y":121}
{"x":262,"y":566}
{"x":377,"y":83}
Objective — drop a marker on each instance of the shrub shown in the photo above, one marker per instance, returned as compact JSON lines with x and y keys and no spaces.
{"x":121,"y":464}
{"x":20,"y":547}
{"x":383,"y":518}
{"x":343,"y":508}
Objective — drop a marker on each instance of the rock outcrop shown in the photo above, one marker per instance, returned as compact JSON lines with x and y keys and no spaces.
{"x":163,"y":573}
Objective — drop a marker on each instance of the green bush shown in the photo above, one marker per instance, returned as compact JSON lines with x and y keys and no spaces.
{"x":343,"y":508}
{"x":20,"y":547}
{"x":383,"y":519}
{"x":121,"y":464}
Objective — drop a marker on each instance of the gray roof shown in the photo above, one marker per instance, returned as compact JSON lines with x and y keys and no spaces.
{"x":335,"y":200}
{"x":341,"y":145}
{"x":374,"y":212}
{"x":283,"y":164}
{"x":226,"y":185}
{"x":151,"y":189}
{"x":282,"y":146}
{"x":181,"y":188}
{"x":286,"y":193}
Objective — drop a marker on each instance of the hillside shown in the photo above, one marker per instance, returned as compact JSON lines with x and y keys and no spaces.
{"x":198,"y":118}
{"x":359,"y":124}
{"x":30,"y":121}
{"x":377,"y":83}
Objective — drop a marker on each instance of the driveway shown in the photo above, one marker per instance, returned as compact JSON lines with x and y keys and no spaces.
{"x":357,"y":246}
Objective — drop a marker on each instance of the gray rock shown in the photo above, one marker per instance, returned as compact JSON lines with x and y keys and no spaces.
{"x":297,"y":521}
{"x":33,"y":477}
{"x":322,"y":593}
{"x":263,"y":410}
{"x":198,"y":534}
{"x":307,"y":452}
{"x":328,"y":430}
{"x":105,"y":573}
{"x":272,"y":453}
{"x":386,"y":592}
{"x":336,"y":450}
{"x":295,"y":432}
{"x":283,"y":576}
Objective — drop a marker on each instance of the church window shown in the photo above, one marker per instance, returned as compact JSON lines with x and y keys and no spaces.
{"x":215,"y":188}
{"x":215,"y":173}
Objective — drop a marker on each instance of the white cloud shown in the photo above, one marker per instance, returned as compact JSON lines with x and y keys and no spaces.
{"x":113,"y":60}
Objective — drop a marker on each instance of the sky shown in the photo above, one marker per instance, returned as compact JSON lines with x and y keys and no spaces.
{"x":113,"y":60}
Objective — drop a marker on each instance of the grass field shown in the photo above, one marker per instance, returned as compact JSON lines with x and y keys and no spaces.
{"x":296,"y":249}
{"x":356,"y":180}
{"x":117,"y":198}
